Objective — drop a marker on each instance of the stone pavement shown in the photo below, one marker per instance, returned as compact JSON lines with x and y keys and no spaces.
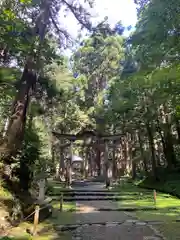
{"x":102,"y":225}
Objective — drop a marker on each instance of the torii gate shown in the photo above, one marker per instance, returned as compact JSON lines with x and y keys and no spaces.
{"x":90,"y":139}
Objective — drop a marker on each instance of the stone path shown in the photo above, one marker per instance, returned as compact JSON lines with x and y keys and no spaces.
{"x":100,"y":225}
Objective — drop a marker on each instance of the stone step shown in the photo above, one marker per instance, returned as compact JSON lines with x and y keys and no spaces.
{"x":123,"y":209}
{"x":77,"y":193}
{"x":96,"y":191}
{"x":91,"y":198}
{"x":71,"y":227}
{"x":85,"y":198}
{"x":80,"y":190}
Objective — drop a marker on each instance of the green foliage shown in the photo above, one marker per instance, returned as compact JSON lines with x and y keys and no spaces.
{"x":26,"y":35}
{"x":13,"y":238}
{"x":169,"y":185}
{"x":156,"y":35}
{"x":119,"y":85}
{"x":97,"y":62}
{"x":128,"y":86}
{"x":27,"y":158}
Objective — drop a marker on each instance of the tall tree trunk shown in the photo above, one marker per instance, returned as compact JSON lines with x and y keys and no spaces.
{"x":53,"y":158}
{"x":152,"y":148}
{"x":61,"y":159}
{"x":142,"y":152}
{"x":133,"y":154}
{"x":159,"y":130}
{"x":168,"y":137}
{"x":127,"y":157}
{"x":91,"y":163}
{"x":85,"y":170}
{"x":15,"y":131}
{"x":134,"y":165}
{"x":169,"y":146}
{"x":69,"y":167}
{"x":106,"y":163}
{"x":114,"y":164}
{"x":177,"y":128}
{"x":129,"y":152}
{"x":26,"y":165}
{"x":124,"y":157}
{"x":98,"y":160}
{"x":61,"y":164}
{"x":5,"y":127}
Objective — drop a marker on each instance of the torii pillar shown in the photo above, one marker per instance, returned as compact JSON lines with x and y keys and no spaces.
{"x":106,"y":164}
{"x":69,"y":166}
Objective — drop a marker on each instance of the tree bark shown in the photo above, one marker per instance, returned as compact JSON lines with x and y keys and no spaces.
{"x":5,"y":127}
{"x":91,"y":162}
{"x":164,"y":145}
{"x":12,"y":141}
{"x":61,"y":164}
{"x":69,"y":167}
{"x":98,"y":160}
{"x":26,"y":165}
{"x":134,"y":165}
{"x":170,"y":154}
{"x":61,"y":159}
{"x":142,"y":153}
{"x":177,"y":128}
{"x":127,"y":157}
{"x":114,"y":167}
{"x":152,"y":148}
{"x":15,"y":130}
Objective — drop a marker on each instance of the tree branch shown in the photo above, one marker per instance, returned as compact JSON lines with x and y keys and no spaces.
{"x":76,"y":15}
{"x":64,"y":32}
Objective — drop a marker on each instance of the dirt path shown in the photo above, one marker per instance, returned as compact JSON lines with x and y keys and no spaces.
{"x":106,"y":225}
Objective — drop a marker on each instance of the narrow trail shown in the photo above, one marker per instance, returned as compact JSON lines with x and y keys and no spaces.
{"x":91,"y":224}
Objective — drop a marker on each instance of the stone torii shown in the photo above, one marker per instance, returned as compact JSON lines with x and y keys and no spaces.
{"x":90,"y":138}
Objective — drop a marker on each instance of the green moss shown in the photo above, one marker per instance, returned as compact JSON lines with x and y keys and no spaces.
{"x":4,"y":193}
{"x":47,"y":229}
{"x":64,"y":217}
{"x":137,"y":197}
{"x":16,"y":238}
{"x":55,"y":187}
{"x":47,"y":236}
{"x":71,"y":206}
{"x":171,"y":184}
